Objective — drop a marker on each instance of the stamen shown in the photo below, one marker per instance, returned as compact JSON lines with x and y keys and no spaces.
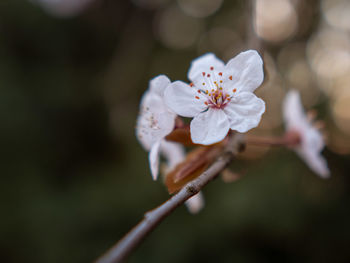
{"x":206,"y":103}
{"x":191,"y":84}
{"x":234,"y":90}
{"x":220,"y":81}
{"x":199,"y":91}
{"x":220,"y":73}
{"x":211,"y":68}
{"x":230,"y":77}
{"x":197,"y":97}
{"x":203,"y":83}
{"x":203,"y":73}
{"x":206,"y":92}
{"x":208,"y":75}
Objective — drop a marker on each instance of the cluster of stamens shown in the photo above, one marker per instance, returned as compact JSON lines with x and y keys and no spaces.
{"x":212,"y":88}
{"x":151,"y":122}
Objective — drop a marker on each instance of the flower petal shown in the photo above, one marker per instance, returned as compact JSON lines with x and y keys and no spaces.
{"x":312,"y":139}
{"x":244,"y":111}
{"x":184,"y":100}
{"x":195,"y":203}
{"x":174,"y":153}
{"x":155,"y":119}
{"x":203,"y":64}
{"x":316,"y":162}
{"x":209,"y":127}
{"x":158,"y":84}
{"x":154,"y":159}
{"x":310,"y":151}
{"x":293,"y":112}
{"x":154,"y":122}
{"x":244,"y":72}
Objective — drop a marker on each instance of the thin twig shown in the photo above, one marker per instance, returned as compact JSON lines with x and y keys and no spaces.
{"x":120,"y":251}
{"x":266,"y":141}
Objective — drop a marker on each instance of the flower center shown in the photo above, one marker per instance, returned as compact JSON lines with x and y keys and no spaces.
{"x":293,"y":138}
{"x":212,"y":83}
{"x":218,"y":99}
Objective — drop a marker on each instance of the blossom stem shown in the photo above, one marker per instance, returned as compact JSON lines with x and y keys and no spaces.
{"x":120,"y":251}
{"x":266,"y":141}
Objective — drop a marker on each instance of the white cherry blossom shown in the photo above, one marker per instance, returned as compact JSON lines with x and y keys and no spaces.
{"x":311,"y":140}
{"x":156,"y":121}
{"x":220,"y":96}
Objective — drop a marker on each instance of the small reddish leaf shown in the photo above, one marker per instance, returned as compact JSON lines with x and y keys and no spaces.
{"x":181,"y":135}
{"x":194,"y":165}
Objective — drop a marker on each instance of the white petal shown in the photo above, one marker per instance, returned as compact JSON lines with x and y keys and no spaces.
{"x":310,"y":151}
{"x":244,"y":111}
{"x":293,"y":112}
{"x":155,"y":120}
{"x":154,"y":159}
{"x":181,"y":98}
{"x":312,"y":139}
{"x":195,"y":203}
{"x":203,"y":64}
{"x":316,"y":162}
{"x":246,"y":70}
{"x":209,"y":127}
{"x":174,"y":153}
{"x":158,"y":85}
{"x":152,"y":101}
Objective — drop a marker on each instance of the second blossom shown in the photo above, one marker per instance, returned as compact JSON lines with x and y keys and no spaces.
{"x":220,"y":97}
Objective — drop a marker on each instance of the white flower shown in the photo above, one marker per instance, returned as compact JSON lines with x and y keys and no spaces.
{"x":220,"y":96}
{"x":155,"y":121}
{"x":311,"y":141}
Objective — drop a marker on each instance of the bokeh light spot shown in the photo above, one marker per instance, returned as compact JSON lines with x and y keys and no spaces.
{"x":275,"y":20}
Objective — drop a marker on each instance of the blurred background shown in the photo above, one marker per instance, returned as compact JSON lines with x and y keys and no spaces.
{"x":75,"y":179}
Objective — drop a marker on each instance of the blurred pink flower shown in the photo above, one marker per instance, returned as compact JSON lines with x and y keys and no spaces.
{"x":311,"y":141}
{"x":220,"y":96}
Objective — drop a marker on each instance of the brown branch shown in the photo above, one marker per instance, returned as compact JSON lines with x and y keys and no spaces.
{"x":120,"y":251}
